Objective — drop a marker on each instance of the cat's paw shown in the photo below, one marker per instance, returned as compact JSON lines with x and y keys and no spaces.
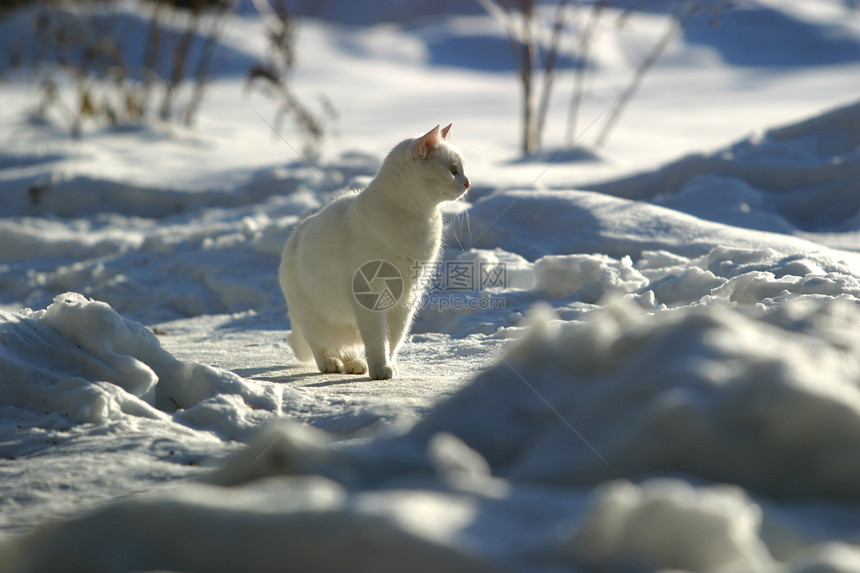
{"x":354,"y":366}
{"x":331,"y":366}
{"x":382,"y":372}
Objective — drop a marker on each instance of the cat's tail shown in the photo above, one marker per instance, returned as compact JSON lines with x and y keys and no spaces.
{"x":300,"y":346}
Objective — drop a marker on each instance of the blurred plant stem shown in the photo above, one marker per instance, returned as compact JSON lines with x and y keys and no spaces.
{"x":90,"y":72}
{"x":536,"y":46}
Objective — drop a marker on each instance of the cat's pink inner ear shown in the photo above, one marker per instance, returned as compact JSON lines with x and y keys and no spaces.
{"x":445,"y":130}
{"x":430,"y":140}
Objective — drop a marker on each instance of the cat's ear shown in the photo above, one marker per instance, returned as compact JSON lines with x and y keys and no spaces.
{"x":423,"y":145}
{"x":445,"y":131}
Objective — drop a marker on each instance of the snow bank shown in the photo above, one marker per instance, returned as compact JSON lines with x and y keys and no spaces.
{"x":517,"y":270}
{"x":159,"y":254}
{"x":708,"y":421}
{"x":728,"y":396}
{"x":761,"y":397}
{"x":699,"y":396}
{"x":592,"y":276}
{"x":536,"y":223}
{"x":576,"y":283}
{"x":802,"y":175}
{"x":669,"y":524}
{"x":306,"y":525}
{"x":31,"y":238}
{"x":747,"y":33}
{"x":78,"y":361}
{"x":470,"y":291}
{"x":745,"y":276}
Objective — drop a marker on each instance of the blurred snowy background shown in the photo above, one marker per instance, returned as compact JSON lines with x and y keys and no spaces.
{"x":665,"y":377}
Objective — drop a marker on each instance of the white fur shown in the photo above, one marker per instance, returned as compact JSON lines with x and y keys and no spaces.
{"x":395,"y":219}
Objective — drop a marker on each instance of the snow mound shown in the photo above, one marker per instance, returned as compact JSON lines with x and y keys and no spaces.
{"x":576,"y":283}
{"x":668,"y":524}
{"x":749,"y":32}
{"x":802,"y":175}
{"x":78,"y":361}
{"x":517,"y":272}
{"x":745,"y":276}
{"x":766,"y":400}
{"x":593,"y":276}
{"x":586,"y":222}
{"x":157,"y":254}
{"x":301,"y":525}
{"x":726,"y":395}
{"x":828,"y":558}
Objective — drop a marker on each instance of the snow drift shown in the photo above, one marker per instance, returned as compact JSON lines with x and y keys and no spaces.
{"x":78,"y":361}
{"x":711,"y":392}
{"x":763,"y":399}
{"x":587,"y":222}
{"x":690,"y":396}
{"x":689,"y":401}
{"x":799,"y":176}
{"x":311,"y":528}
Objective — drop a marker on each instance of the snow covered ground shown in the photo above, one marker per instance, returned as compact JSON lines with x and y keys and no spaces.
{"x":655,"y":366}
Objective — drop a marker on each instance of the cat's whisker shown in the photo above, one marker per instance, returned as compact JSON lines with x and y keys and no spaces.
{"x":462,"y":221}
{"x":459,"y":230}
{"x":465,"y":228}
{"x":460,"y":234}
{"x":468,"y":220}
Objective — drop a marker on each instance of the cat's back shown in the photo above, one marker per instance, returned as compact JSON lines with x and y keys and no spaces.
{"x":327,"y":218}
{"x":337,"y":206}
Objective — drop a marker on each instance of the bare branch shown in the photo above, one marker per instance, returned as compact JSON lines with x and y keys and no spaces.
{"x":586,"y":37}
{"x":641,"y":70}
{"x":550,"y":61}
{"x":524,"y":50}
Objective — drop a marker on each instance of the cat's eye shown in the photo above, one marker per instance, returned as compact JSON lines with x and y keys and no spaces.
{"x":453,"y":169}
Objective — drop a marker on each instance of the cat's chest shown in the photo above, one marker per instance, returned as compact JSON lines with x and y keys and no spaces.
{"x":411,"y":236}
{"x":414,"y":248}
{"x":394,"y":233}
{"x":422,"y":240}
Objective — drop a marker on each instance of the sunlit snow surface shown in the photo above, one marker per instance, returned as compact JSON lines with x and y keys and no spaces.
{"x":657,"y":370}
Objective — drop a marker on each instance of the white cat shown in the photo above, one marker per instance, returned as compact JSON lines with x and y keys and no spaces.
{"x":351,"y":273}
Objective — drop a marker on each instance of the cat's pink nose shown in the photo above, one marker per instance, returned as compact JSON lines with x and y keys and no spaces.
{"x":467,"y":183}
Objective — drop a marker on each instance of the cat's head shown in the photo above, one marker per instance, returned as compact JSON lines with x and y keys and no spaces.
{"x":439,"y":164}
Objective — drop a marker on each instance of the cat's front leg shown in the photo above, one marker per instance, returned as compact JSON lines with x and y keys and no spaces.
{"x":374,"y":332}
{"x":399,"y":321}
{"x":382,"y":372}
